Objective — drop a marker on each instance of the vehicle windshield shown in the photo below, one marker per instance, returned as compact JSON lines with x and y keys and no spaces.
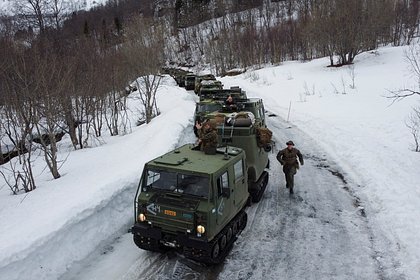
{"x":211,"y":107}
{"x":178,"y":183}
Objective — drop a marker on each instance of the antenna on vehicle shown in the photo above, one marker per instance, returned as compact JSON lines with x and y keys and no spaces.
{"x":226,"y":154}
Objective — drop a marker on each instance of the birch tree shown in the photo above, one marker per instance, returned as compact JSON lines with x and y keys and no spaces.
{"x":144,"y":56}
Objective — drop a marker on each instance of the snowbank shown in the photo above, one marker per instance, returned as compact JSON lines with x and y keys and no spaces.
{"x":64,"y":220}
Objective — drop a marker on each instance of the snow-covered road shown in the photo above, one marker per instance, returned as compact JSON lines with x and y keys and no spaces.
{"x":321,"y":232}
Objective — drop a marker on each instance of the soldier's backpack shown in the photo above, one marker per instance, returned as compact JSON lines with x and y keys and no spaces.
{"x":264,"y":136}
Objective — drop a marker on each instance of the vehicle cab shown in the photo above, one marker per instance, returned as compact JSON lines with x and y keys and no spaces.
{"x":185,"y":199}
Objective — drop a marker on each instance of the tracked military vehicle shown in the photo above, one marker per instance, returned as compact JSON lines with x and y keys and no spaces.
{"x":244,"y":126}
{"x":189,"y":81}
{"x":212,"y":100}
{"x":200,"y":79}
{"x":192,"y":202}
{"x":178,"y":74}
{"x":202,"y":109}
{"x":210,"y":85}
{"x":220,"y":94}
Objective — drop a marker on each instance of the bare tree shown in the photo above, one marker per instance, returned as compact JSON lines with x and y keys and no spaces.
{"x":143,"y":54}
{"x":406,"y":17}
{"x":412,"y":57}
{"x":19,"y":174}
{"x":57,"y":13}
{"x":337,"y":27}
{"x":413,"y":123}
{"x":148,"y":86}
{"x":32,"y":11}
{"x":17,"y":114}
{"x":51,"y":83}
{"x":87,"y":87}
{"x":15,"y":179}
{"x":115,"y":95}
{"x":41,"y":14}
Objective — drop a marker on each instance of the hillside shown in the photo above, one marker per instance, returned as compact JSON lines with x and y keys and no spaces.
{"x":6,"y":6}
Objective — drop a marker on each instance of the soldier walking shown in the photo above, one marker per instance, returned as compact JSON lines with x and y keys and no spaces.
{"x":288,"y":157}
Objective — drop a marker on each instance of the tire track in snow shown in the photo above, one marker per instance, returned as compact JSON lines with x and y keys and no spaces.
{"x":387,"y":267}
{"x":319,"y":233}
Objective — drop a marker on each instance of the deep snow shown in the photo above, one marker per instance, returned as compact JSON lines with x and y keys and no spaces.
{"x":360,"y":129}
{"x":63,"y":221}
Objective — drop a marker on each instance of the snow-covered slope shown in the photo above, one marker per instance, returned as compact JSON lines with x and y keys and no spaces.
{"x":6,"y":6}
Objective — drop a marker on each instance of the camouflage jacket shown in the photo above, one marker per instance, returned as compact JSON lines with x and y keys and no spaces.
{"x":289,"y":157}
{"x":209,"y":141}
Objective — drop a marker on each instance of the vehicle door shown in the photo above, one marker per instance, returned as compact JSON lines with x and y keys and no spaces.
{"x":240,"y":187}
{"x":224,"y":198}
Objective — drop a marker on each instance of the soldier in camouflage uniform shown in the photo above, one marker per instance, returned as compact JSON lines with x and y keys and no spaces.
{"x":207,"y":137}
{"x":288,"y":157}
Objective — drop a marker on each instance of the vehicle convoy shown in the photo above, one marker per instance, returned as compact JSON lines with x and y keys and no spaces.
{"x":241,"y":125}
{"x":192,"y":202}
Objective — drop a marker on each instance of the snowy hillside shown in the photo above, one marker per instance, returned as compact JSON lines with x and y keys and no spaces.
{"x":6,"y":6}
{"x":47,"y":232}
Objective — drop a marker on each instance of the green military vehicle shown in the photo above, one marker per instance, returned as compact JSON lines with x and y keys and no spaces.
{"x":244,"y":126}
{"x":180,"y":79}
{"x":221,"y":94}
{"x":213,"y":100}
{"x":189,"y":81}
{"x":179,"y":76}
{"x":210,"y":85}
{"x":192,"y":202}
{"x":202,"y":109}
{"x":199,"y":79}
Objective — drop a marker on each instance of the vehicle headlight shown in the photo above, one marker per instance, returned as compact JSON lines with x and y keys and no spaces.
{"x":201,"y":229}
{"x":142,"y":217}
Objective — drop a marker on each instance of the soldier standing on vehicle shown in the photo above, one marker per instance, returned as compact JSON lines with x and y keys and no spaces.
{"x":230,"y":103}
{"x":288,"y":157}
{"x":207,"y":137}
